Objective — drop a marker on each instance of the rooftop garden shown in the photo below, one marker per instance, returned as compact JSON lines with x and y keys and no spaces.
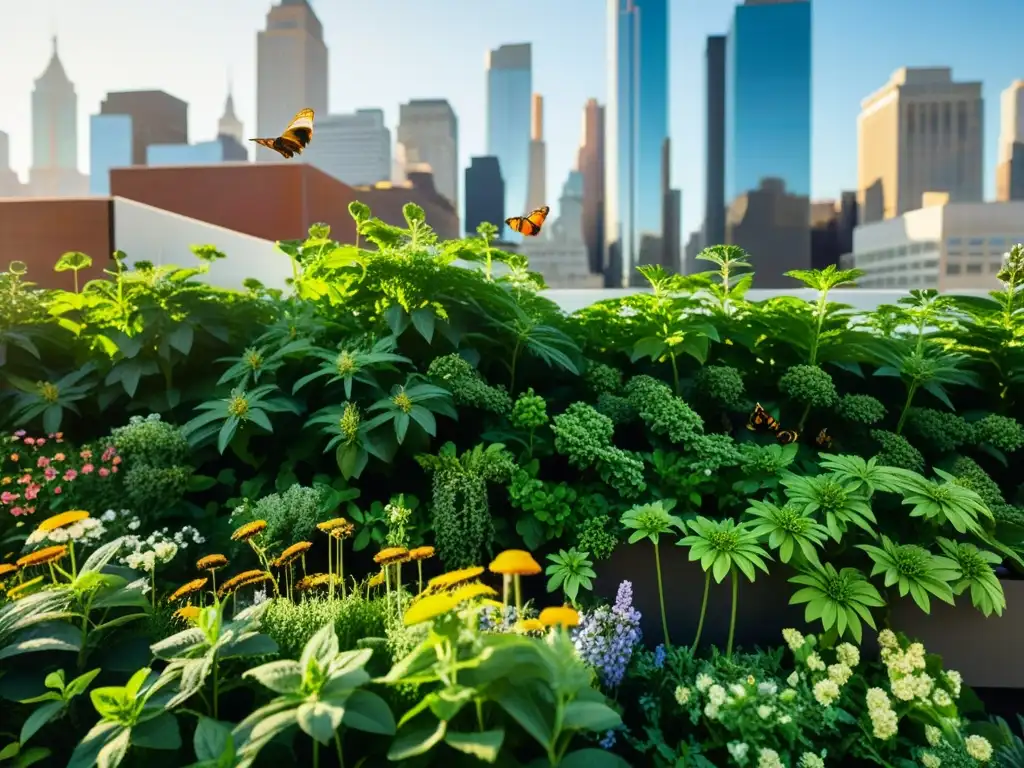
{"x":403,"y":512}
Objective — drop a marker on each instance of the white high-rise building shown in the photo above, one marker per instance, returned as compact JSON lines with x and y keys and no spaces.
{"x":54,"y":171}
{"x":537,"y":189}
{"x":1011,"y":119}
{"x":428,"y":131}
{"x":291,"y":71}
{"x":353,"y":148}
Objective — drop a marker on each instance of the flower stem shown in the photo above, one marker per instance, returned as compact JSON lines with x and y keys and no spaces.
{"x":341,"y":565}
{"x":316,"y":754}
{"x":71,"y":543}
{"x":419,"y":570}
{"x":732,"y":614}
{"x":216,"y":687}
{"x":337,"y":746}
{"x":703,"y":611}
{"x":152,"y":585}
{"x":519,"y":599}
{"x":661,"y":596}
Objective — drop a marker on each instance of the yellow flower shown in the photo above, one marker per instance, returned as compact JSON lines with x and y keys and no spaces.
{"x":211,"y":562}
{"x":428,"y":608}
{"x":515,"y":562}
{"x":63,"y":520}
{"x":471,"y":592}
{"x":531,"y":625}
{"x":376,"y":580}
{"x":292,"y":553}
{"x":6,"y":569}
{"x":391,"y":555}
{"x":421,"y":553}
{"x":187,"y":589}
{"x":188,"y":613}
{"x":24,"y":588}
{"x":454,"y":578}
{"x":42,"y":556}
{"x":979,"y":748}
{"x":243,"y":579}
{"x":564,"y":617}
{"x":313,"y":580}
{"x":338,"y":527}
{"x":249,"y":530}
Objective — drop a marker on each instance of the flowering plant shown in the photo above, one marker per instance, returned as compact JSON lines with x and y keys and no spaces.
{"x":606,"y":637}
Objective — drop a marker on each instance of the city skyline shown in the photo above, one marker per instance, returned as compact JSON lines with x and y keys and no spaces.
{"x":100,"y":37}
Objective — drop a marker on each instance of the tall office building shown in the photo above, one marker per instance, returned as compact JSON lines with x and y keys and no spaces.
{"x":485,"y":194}
{"x":54,"y":171}
{"x":10,"y":184}
{"x":636,"y":128}
{"x":921,"y":132}
{"x":1010,"y":168}
{"x":537,"y":194}
{"x":590,"y":162}
{"x":353,"y":148}
{"x":428,"y":132}
{"x":509,"y":92}
{"x":671,"y":214}
{"x":110,"y":146}
{"x":291,"y":70}
{"x":768,"y":136}
{"x":229,"y":123}
{"x":714,"y":142}
{"x":157,"y":118}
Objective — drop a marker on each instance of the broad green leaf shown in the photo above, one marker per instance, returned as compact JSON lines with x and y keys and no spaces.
{"x":590,"y":716}
{"x":211,"y":740}
{"x":51,"y":636}
{"x":417,"y":741}
{"x":283,"y":676}
{"x":483,"y":745}
{"x":592,"y":758}
{"x":40,"y":716}
{"x":162,"y":732}
{"x":319,"y":719}
{"x":366,"y":711}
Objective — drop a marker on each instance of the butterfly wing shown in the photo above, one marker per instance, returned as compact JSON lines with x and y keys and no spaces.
{"x":272,"y":144}
{"x":536,"y":220}
{"x":516,"y":223}
{"x":761,"y":419}
{"x":299,"y":132}
{"x":786,"y":436}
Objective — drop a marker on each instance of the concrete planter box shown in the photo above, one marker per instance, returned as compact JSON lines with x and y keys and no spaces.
{"x":985,"y":651}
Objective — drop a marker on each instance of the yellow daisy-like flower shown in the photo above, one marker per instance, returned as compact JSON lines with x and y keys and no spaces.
{"x":292,"y":553}
{"x":471,"y":592}
{"x":338,"y":527}
{"x":560,"y":617}
{"x":314,"y":580}
{"x":455,"y":578}
{"x":187,"y":589}
{"x":42,"y":556}
{"x":376,"y":580}
{"x":187,"y":613}
{"x":515,"y":562}
{"x":24,"y":588}
{"x":243,"y":579}
{"x":391,"y":555}
{"x":428,"y":608}
{"x":63,"y":520}
{"x":211,"y":563}
{"x":531,"y":625}
{"x":421,"y":553}
{"x":6,"y":569}
{"x":249,"y":530}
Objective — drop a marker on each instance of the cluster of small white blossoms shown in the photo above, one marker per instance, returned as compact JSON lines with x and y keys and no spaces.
{"x":907,"y":679}
{"x":87,"y":531}
{"x":826,"y":688}
{"x":158,"y":548}
{"x":131,"y":522}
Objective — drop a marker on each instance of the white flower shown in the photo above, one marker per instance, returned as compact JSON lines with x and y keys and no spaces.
{"x":941,"y":698}
{"x":764,"y":711}
{"x":737,"y":690}
{"x":133,"y":525}
{"x":839,"y":673}
{"x":259,"y":596}
{"x":810,"y":760}
{"x":76,"y":531}
{"x":928,"y":760}
{"x":932,"y":735}
{"x":767,"y":689}
{"x":785,"y":720}
{"x":711,"y":711}
{"x":954,"y":680}
{"x":738,"y":750}
{"x":59,"y":536}
{"x":682,"y":694}
{"x":34,"y":538}
{"x":793,"y":679}
{"x":769,"y":758}
{"x":887,"y":639}
{"x":979,"y":748}
{"x":109,"y":516}
{"x":815,"y":664}
{"x":903,"y":688}
{"x":704,"y":682}
{"x":825,"y":692}
{"x":848,"y":654}
{"x":716,"y":694}
{"x":794,"y":639}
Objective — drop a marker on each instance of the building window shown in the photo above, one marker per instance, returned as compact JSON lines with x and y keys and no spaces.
{"x":995,"y":266}
{"x":974,"y":269}
{"x":997,"y":242}
{"x":954,"y":241}
{"x":930,"y":280}
{"x":976,"y":254}
{"x":953,"y":269}
{"x":976,"y":241}
{"x":915,"y":247}
{"x":930,"y":263}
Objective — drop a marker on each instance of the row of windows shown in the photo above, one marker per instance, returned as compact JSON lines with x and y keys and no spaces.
{"x":993,"y":242}
{"x":953,"y":268}
{"x":904,"y":266}
{"x":903,"y":281}
{"x":887,"y":254}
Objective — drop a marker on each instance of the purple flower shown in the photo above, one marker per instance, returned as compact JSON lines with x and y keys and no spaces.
{"x":608,"y":741}
{"x":606,"y":637}
{"x":659,"y":657}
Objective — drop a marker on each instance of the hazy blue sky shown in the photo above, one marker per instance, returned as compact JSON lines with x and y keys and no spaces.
{"x":384,"y":52}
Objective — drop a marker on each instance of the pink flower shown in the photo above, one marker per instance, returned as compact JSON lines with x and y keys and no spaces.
{"x":17,"y":511}
{"x":41,"y":441}
{"x":7,"y":497}
{"x":109,"y":453}
{"x":20,"y":433}
{"x":87,"y":469}
{"x":30,"y":441}
{"x":25,"y":479}
{"x":31,"y":492}
{"x":117,"y":460}
{"x":113,"y":469}
{"x":104,"y":471}
{"x":86,"y":454}
{"x":29,"y":510}
{"x":49,"y":473}
{"x":70,"y":475}
{"x":59,"y":457}
{"x":42,"y":461}
{"x":58,"y":489}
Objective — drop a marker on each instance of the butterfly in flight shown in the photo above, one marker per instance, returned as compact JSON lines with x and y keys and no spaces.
{"x":824,"y":439}
{"x":761,"y":421}
{"x":294,"y":138}
{"x":787,"y":436}
{"x":530,"y":224}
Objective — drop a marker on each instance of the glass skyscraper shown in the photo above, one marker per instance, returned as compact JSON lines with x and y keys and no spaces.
{"x":636,"y":130}
{"x":110,"y":146}
{"x":509,"y":95}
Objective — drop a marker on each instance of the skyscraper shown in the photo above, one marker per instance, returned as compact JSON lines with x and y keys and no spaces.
{"x":1010,"y":168}
{"x":636,"y":129}
{"x":536,"y":196}
{"x":509,"y":91}
{"x":714,"y":138}
{"x":485,"y":194}
{"x":921,"y":132}
{"x":157,"y":118}
{"x":10,"y":184}
{"x":54,"y":170}
{"x":353,"y":148}
{"x":428,"y":132}
{"x":590,"y":162}
{"x":229,"y":124}
{"x":768,"y":136}
{"x":291,"y":70}
{"x":110,"y":146}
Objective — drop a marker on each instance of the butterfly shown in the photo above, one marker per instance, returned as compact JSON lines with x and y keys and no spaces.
{"x":787,"y":436}
{"x":529,"y":225}
{"x":761,"y":420}
{"x":824,"y":439}
{"x":294,"y":138}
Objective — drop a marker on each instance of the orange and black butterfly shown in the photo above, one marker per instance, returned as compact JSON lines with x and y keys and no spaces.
{"x":529,"y":225}
{"x":824,"y":439}
{"x":787,"y":436}
{"x":760,"y":420}
{"x":294,"y":138}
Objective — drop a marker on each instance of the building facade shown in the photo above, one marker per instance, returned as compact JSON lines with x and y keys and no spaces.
{"x":509,"y":94}
{"x":832,"y":225}
{"x":110,"y":146}
{"x":1009,"y":174}
{"x":353,"y":148}
{"x":921,"y":132}
{"x":223,"y":149}
{"x":291,"y":70}
{"x":636,"y":126}
{"x":428,"y":132}
{"x":768,"y":137}
{"x":10,"y":184}
{"x":714,"y":140}
{"x":590,"y":161}
{"x":157,"y":118}
{"x":485,"y":194}
{"x":943,"y":245}
{"x":536,"y":195}
{"x":54,"y":171}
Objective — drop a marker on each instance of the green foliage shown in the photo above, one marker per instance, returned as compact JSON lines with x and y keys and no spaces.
{"x":722,"y":385}
{"x":570,"y":570}
{"x":808,"y":385}
{"x":860,"y":409}
{"x":290,"y":516}
{"x":467,"y":386}
{"x":292,"y":625}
